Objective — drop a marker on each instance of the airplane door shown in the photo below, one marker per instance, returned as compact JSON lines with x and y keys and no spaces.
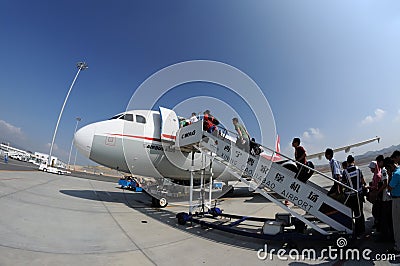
{"x":169,"y":124}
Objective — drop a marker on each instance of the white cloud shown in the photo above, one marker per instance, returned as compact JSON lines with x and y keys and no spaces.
{"x":55,"y":146}
{"x":312,"y":140}
{"x":378,"y":115}
{"x":312,"y":133}
{"x":57,"y":151}
{"x":9,"y":132}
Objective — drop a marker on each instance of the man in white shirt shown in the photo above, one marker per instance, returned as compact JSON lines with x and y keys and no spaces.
{"x":193,"y":118}
{"x":336,"y":173}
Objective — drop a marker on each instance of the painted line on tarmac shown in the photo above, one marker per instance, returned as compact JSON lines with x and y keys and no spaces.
{"x":25,"y":189}
{"x":5,"y":171}
{"x":121,"y":227}
{"x":20,"y":165}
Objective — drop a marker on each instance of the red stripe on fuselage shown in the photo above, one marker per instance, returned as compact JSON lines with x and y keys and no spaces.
{"x":136,"y":137}
{"x":169,"y":136}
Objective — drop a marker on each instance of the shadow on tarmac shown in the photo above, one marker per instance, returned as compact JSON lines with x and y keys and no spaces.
{"x":142,"y":202}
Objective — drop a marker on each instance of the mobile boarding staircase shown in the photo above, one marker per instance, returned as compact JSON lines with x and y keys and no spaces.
{"x":264,"y":175}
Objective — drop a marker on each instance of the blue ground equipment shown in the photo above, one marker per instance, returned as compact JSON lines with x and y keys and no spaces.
{"x":130,"y":184}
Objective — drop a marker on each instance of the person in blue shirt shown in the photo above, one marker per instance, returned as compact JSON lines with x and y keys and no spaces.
{"x":336,"y":172}
{"x":394,"y":188}
{"x":396,"y":157}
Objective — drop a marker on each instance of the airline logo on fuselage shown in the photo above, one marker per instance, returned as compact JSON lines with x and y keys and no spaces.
{"x":155,"y":147}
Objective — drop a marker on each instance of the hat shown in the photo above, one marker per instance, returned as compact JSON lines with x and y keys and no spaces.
{"x":372,"y":165}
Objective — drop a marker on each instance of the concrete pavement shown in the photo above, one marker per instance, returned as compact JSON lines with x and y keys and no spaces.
{"x":48,"y":219}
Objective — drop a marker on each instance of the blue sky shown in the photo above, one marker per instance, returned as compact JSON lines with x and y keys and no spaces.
{"x":329,"y":69}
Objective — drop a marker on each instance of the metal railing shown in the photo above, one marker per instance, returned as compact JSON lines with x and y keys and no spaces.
{"x":274,"y":152}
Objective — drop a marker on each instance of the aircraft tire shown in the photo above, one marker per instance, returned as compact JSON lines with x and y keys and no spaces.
{"x":159,"y":203}
{"x":163,"y":202}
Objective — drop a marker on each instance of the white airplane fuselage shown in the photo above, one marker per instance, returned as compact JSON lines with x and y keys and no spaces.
{"x":132,"y":143}
{"x":141,"y":142}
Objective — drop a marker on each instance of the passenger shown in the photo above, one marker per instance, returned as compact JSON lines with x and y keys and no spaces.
{"x":353,"y":178}
{"x":300,"y":156}
{"x":193,"y":118}
{"x":336,"y":173}
{"x":299,"y":152}
{"x":344,"y":166}
{"x":210,"y":122}
{"x":183,"y":122}
{"x":396,"y":157}
{"x":377,"y":178}
{"x":243,"y":140}
{"x":372,"y":193}
{"x":376,"y":186}
{"x":189,"y":121}
{"x":386,"y":206}
{"x":254,"y":147}
{"x":372,"y":166}
{"x":394,"y":188}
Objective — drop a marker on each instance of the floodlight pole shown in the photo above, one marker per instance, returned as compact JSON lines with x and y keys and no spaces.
{"x":81,"y":66}
{"x":78,"y":119}
{"x":76,"y":154}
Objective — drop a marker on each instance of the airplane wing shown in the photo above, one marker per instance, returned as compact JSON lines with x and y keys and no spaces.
{"x":346,"y":149}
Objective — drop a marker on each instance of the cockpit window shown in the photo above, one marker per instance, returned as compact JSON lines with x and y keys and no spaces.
{"x":115,"y":117}
{"x":127,"y":117}
{"x":140,"y":119}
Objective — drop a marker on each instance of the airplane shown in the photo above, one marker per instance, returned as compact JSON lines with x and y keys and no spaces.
{"x":140,"y":142}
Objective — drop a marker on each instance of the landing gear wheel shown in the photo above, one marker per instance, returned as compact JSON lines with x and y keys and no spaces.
{"x":159,"y":203}
{"x":163,"y":202}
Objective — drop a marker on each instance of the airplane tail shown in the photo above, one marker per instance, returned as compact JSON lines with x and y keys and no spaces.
{"x":277,"y":156}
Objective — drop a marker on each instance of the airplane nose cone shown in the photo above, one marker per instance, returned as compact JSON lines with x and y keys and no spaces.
{"x":83,"y":139}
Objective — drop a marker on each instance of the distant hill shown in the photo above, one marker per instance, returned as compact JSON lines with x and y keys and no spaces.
{"x":371,"y":155}
{"x":365,"y":158}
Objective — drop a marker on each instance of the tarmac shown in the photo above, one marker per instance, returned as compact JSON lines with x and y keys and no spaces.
{"x":48,"y":219}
